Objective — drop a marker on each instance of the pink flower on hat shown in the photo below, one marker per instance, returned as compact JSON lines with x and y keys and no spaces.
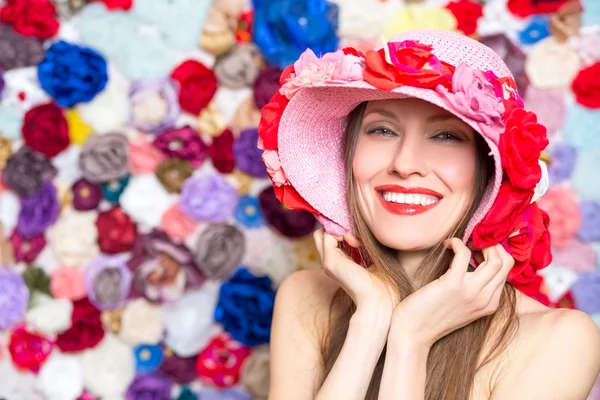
{"x":274,"y":168}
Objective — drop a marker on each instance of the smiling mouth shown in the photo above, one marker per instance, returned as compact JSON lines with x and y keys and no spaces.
{"x":403,"y":201}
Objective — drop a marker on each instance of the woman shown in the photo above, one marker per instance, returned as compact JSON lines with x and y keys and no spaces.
{"x":421,"y":163}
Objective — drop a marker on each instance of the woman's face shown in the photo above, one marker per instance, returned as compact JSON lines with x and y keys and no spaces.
{"x":414,"y":169}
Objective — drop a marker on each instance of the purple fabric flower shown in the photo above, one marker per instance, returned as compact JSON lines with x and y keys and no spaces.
{"x":18,"y":51}
{"x":107,"y":281}
{"x":155,"y":105}
{"x":585,"y":292}
{"x":14,"y":296}
{"x":184,"y":143}
{"x":247,"y":155}
{"x":86,"y":195}
{"x":226,"y":394}
{"x":266,"y":85}
{"x":155,"y":386}
{"x":26,"y":170}
{"x":590,"y":222}
{"x":290,"y":223}
{"x":208,"y":198}
{"x":512,"y":55}
{"x":39,"y":212}
{"x":181,"y":369}
{"x":1,"y":80}
{"x":562,"y":162}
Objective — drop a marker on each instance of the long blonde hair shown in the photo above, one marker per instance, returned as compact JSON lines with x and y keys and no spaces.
{"x":456,"y":358}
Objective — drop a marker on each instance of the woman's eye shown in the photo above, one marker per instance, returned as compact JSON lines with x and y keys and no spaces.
{"x":448,"y":136}
{"x":381,"y":131}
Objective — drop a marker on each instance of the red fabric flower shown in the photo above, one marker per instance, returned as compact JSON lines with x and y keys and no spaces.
{"x":467,"y":13}
{"x":520,"y":148}
{"x":534,"y":288}
{"x":504,"y":216}
{"x":86,"y":330}
{"x":116,"y":231}
{"x":117,"y":4}
{"x":586,"y":86}
{"x":35,"y":18}
{"x":45,"y":129}
{"x":197,"y":85}
{"x":220,"y":363}
{"x":526,"y":8}
{"x":413,"y":64}
{"x":269,"y":120}
{"x":292,"y":199}
{"x":27,"y":249}
{"x":353,"y":52}
{"x":29,"y":350}
{"x":221,"y":152}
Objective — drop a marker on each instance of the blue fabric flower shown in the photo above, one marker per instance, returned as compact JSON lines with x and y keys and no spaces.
{"x":11,"y":120}
{"x":71,"y":74}
{"x":245,"y":307}
{"x":581,"y":128}
{"x":148,"y":358}
{"x":590,"y":222}
{"x":283,"y":29}
{"x":591,"y":12}
{"x":114,"y":189}
{"x":536,"y":30}
{"x":186,"y":394}
{"x":586,"y":179}
{"x":563,"y":158}
{"x":585,"y":292}
{"x":248,"y":213}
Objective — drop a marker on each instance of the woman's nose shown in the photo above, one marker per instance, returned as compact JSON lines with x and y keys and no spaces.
{"x":409,"y":158}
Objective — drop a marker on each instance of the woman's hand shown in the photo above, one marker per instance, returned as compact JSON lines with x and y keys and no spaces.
{"x":363,"y":286}
{"x":454,"y":300}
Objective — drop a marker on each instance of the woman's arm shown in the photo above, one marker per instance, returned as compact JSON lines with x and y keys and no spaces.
{"x":352,"y":372}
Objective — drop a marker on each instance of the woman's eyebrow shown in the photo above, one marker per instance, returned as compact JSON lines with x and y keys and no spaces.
{"x":440,"y":117}
{"x":384,"y":113}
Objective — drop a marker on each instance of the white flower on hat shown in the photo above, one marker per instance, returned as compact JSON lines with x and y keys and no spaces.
{"x":111,"y":108}
{"x":145,"y":200}
{"x":542,"y":187}
{"x":16,"y":385}
{"x":61,"y":377}
{"x":108,"y":368}
{"x":141,"y":322}
{"x":51,"y":316}
{"x":74,"y":238}
{"x":189,"y":322}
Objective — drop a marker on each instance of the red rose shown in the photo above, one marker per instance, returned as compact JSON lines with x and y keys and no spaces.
{"x":116,"y":231}
{"x":269,"y":120}
{"x":353,"y":52}
{"x":117,"y":4}
{"x":467,"y":13}
{"x":290,"y":198}
{"x":526,"y":8}
{"x":221,"y":152}
{"x":504,"y":216}
{"x":586,"y":86}
{"x":410,"y":61}
{"x":520,"y":147}
{"x":45,"y":129}
{"x":31,"y":17}
{"x":86,"y":330}
{"x":197,"y":85}
{"x":28,"y":350}
{"x":534,"y":289}
{"x":286,"y":74}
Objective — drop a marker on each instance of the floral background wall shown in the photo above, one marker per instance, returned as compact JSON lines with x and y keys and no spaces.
{"x":142,"y":243}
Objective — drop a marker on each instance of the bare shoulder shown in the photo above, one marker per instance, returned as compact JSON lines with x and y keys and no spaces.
{"x":555,"y":355}
{"x":300,"y":316}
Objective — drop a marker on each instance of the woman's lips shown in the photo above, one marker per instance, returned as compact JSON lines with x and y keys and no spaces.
{"x":404,"y":208}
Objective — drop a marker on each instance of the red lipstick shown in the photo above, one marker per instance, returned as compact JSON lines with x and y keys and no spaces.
{"x":406,"y":209}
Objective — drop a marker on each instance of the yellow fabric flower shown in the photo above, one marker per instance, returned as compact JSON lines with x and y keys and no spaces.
{"x":211,"y":121}
{"x":419,"y":16}
{"x":79,"y":131}
{"x":5,"y":150}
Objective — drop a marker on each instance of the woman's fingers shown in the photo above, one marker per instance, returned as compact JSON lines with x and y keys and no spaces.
{"x":460,"y":262}
{"x":489,"y":268}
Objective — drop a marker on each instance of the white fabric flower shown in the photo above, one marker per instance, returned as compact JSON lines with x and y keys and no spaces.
{"x":9,"y":211}
{"x":61,"y":377}
{"x":111,"y":108}
{"x":497,"y":19}
{"x":552,"y":65}
{"x":279,"y":261}
{"x":141,"y":322}
{"x":360,"y":19}
{"x":542,"y":187}
{"x":16,"y":385}
{"x":558,"y":280}
{"x":145,"y":200}
{"x":189,"y":322}
{"x":51,"y":316}
{"x":259,"y":243}
{"x":67,"y":163}
{"x":23,"y":89}
{"x":109,"y":368}
{"x":74,"y":238}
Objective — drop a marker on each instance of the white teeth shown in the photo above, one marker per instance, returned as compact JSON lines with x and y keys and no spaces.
{"x":410,"y":198}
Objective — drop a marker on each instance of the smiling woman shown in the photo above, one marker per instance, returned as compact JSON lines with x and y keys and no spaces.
{"x":422,"y":165}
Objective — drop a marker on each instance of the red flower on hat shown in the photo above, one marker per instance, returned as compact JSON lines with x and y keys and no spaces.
{"x":35,"y":18}
{"x":86,"y":329}
{"x":586,"y":86}
{"x":221,"y":152}
{"x":197,"y":85}
{"x":45,"y":129}
{"x":526,"y":8}
{"x":269,"y":121}
{"x":117,"y":4}
{"x":534,"y":288}
{"x":410,"y":63}
{"x":116,"y":231}
{"x":520,"y":148}
{"x":504,"y":216}
{"x":467,"y":14}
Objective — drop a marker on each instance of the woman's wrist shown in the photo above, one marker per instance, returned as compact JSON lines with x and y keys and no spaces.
{"x":374,"y":319}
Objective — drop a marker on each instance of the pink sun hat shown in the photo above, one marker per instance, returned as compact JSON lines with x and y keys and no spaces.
{"x":303,"y":126}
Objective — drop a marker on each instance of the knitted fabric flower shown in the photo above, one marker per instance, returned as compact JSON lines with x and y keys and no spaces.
{"x":38,"y":283}
{"x":116,"y":231}
{"x":246,"y":116}
{"x":248,"y":213}
{"x":221,"y":152}
{"x":86,"y":195}
{"x":563,"y":162}
{"x":255,"y":375}
{"x":145,"y":200}
{"x":549,"y":106}
{"x":172,"y":172}
{"x":31,"y":19}
{"x":176,"y":224}
{"x":552,"y":65}
{"x":147,"y":358}
{"x":290,"y":223}
{"x":141,"y":323}
{"x":86,"y":329}
{"x":217,"y":35}
{"x":14,"y":296}
{"x":108,"y":281}
{"x":280,"y":262}
{"x":208,"y":198}
{"x":68,"y":283}
{"x":184,"y":143}
{"x":38,"y":212}
{"x":45,"y":129}
{"x":154,"y":386}
{"x":239,"y":67}
{"x":61,"y":377}
{"x":181,"y":369}
{"x":219,"y":250}
{"x":105,"y":157}
{"x":19,"y":51}
{"x":266,"y":85}
{"x":26,"y":171}
{"x":219,"y":364}
{"x":245,"y":307}
{"x":27,"y":249}
{"x":113,"y":189}
{"x":248,"y":156}
{"x":154,"y":105}
{"x":585,"y":180}
{"x":585,"y":292}
{"x":197,"y":85}
{"x":590,"y":221}
{"x":79,"y":130}
{"x":564,"y":213}
{"x":74,"y":238}
{"x":586,"y":88}
{"x":72,"y":74}
{"x":29,"y":350}
{"x":577,"y":125}
{"x":17,"y":384}
{"x":51,"y":317}
{"x":143,"y":156}
{"x":211,"y":121}
{"x":537,"y":29}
